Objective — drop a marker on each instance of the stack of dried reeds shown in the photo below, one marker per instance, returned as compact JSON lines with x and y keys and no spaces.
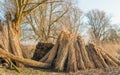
{"x":71,"y":54}
{"x":41,"y":50}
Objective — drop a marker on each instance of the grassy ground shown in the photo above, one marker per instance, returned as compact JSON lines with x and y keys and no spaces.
{"x":112,"y":49}
{"x":24,"y":71}
{"x":30,"y":71}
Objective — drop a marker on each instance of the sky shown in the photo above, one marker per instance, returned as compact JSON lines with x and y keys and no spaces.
{"x":111,"y":7}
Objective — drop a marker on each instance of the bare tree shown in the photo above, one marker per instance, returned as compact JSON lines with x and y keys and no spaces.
{"x":17,"y":10}
{"x":99,"y":23}
{"x":72,"y":20}
{"x":43,"y":20}
{"x":112,"y":36}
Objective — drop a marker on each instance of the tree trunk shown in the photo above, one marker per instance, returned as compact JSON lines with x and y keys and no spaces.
{"x":6,"y":55}
{"x":14,"y":38}
{"x":4,"y":36}
{"x":14,"y":42}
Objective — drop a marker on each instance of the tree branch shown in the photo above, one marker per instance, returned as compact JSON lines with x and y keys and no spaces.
{"x":33,"y":8}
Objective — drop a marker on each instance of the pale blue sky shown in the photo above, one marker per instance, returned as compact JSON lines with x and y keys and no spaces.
{"x":111,"y":7}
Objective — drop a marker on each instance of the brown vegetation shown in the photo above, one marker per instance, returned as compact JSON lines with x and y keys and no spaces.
{"x":69,"y":54}
{"x":41,"y":50}
{"x":47,"y":18}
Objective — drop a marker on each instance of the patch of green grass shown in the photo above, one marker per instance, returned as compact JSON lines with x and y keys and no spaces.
{"x":23,"y":72}
{"x":32,"y":72}
{"x":42,"y":73}
{"x":18,"y":74}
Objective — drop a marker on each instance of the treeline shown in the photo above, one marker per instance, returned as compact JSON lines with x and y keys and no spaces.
{"x":46,"y":22}
{"x":42,"y":20}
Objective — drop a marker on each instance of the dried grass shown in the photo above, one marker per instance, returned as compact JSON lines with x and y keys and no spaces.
{"x":112,"y":48}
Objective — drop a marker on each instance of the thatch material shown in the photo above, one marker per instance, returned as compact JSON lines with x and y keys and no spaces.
{"x":100,"y":58}
{"x":41,"y":50}
{"x":84,"y":53}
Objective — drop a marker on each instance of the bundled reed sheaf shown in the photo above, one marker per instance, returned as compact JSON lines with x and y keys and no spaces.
{"x":69,"y":54}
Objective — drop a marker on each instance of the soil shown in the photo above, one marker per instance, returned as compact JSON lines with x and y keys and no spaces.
{"x":31,"y":71}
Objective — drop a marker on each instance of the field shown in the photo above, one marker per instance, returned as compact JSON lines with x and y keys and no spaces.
{"x":112,"y":49}
{"x":31,"y":71}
